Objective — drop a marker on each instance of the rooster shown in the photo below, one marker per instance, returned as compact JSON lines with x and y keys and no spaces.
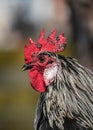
{"x":66,"y":87}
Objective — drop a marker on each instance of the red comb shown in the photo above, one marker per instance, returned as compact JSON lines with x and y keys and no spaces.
{"x":49,"y":44}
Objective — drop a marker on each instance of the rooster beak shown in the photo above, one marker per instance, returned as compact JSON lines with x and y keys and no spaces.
{"x":27,"y":67}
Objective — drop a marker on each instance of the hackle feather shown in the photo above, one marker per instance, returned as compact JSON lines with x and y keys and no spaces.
{"x":68,"y":102}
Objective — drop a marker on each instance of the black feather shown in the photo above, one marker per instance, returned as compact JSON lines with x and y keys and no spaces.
{"x":67,"y":103}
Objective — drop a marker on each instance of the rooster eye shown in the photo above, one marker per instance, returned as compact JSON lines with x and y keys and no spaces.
{"x":41,"y":59}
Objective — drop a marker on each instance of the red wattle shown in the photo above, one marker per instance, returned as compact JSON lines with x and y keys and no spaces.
{"x":37,"y":81}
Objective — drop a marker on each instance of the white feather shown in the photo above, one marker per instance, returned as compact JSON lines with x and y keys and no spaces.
{"x":50,"y":73}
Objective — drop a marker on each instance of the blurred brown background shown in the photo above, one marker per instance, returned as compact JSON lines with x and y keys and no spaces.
{"x":21,"y":19}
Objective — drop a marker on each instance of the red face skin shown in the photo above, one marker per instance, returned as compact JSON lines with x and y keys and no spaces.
{"x":36,"y":73}
{"x":36,"y":80}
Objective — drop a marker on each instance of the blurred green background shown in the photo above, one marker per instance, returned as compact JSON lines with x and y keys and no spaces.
{"x":21,"y":19}
{"x":17,"y":99}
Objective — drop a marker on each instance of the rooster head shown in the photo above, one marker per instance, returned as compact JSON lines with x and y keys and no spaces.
{"x":41,"y":62}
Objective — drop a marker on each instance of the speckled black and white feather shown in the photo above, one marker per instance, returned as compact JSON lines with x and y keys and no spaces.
{"x":68,"y":102}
